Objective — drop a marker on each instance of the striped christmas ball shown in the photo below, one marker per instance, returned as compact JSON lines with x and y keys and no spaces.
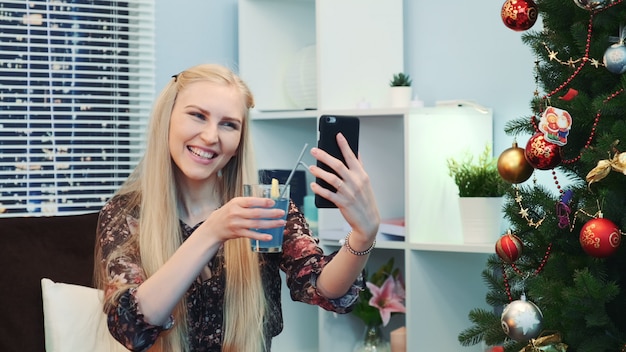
{"x":509,"y":247}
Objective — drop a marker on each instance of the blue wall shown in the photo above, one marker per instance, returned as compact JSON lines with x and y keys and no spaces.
{"x":459,"y":49}
{"x":190,"y":32}
{"x":455,"y":49}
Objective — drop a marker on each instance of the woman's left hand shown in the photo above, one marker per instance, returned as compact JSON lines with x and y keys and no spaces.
{"x":354,"y":196}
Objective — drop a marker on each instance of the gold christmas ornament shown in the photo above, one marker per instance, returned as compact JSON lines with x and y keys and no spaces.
{"x":513,"y":166}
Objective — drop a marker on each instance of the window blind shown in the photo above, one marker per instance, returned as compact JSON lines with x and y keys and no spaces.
{"x":76,"y":89}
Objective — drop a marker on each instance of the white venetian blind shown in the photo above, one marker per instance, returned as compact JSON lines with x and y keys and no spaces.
{"x":76,"y":88}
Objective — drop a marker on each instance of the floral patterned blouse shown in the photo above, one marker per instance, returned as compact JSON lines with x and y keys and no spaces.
{"x":302,"y":261}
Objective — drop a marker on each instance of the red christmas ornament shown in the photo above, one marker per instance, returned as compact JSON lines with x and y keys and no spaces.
{"x":600,"y":237}
{"x":509,"y":247}
{"x":519,"y":15}
{"x":541,"y":154}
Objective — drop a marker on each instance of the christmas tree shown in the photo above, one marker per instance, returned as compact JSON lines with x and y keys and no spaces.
{"x":557,"y":281}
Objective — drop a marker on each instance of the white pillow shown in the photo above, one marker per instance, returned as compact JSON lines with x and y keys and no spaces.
{"x":74,"y":320}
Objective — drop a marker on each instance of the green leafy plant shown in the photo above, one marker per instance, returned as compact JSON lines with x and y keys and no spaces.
{"x":400,"y":80}
{"x":477,"y":177}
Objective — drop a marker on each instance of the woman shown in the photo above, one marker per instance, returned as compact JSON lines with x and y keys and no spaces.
{"x":173,"y":252}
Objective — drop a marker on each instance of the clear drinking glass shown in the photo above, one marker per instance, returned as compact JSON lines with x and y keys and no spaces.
{"x":275,"y":245}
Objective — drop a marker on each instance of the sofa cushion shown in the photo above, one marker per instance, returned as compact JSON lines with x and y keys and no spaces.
{"x":74,"y":320}
{"x":31,"y":248}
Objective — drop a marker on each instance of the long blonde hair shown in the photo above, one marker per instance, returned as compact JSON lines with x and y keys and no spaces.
{"x":152,"y":189}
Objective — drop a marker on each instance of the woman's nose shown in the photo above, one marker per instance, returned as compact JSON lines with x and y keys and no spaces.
{"x":209,"y":133}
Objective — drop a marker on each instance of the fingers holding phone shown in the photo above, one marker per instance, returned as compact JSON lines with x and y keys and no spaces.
{"x":334,"y":164}
{"x":341,"y":180}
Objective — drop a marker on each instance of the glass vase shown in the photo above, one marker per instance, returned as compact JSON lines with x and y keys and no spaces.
{"x":372,"y":341}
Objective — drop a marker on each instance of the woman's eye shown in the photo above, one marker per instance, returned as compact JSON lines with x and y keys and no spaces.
{"x":230,"y":124}
{"x":198,"y":115}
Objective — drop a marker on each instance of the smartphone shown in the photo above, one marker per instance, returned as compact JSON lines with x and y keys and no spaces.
{"x":329,"y":126}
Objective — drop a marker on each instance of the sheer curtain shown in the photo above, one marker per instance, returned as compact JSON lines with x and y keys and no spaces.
{"x":76,"y":88}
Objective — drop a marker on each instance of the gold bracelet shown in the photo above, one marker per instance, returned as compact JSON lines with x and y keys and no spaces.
{"x":346,"y":244}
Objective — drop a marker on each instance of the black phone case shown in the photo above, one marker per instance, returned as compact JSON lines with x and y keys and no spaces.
{"x":329,"y":126}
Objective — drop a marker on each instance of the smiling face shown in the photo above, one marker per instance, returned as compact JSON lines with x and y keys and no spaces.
{"x":205,"y":129}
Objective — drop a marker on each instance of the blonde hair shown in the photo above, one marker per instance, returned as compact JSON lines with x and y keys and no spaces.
{"x":152,"y":189}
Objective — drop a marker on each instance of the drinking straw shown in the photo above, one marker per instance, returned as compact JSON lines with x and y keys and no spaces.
{"x":293,"y":171}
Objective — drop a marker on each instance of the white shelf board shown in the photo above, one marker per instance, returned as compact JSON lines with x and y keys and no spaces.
{"x":379,"y":244}
{"x":283,"y":114}
{"x":485,"y":248}
{"x":482,"y":248}
{"x":365,"y":113}
{"x":305,"y":114}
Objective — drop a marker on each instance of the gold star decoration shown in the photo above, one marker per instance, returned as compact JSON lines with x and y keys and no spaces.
{"x":595,"y":63}
{"x":552,"y":54}
{"x":524,"y":211}
{"x":571,"y":62}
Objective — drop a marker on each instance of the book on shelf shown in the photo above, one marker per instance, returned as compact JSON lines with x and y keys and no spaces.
{"x":391,"y":229}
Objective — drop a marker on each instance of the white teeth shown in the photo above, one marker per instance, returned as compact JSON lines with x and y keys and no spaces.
{"x":201,"y":153}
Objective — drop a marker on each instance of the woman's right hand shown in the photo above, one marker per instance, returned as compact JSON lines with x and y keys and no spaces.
{"x":237,"y":217}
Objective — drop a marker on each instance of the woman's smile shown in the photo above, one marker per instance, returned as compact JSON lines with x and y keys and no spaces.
{"x":204,"y":154}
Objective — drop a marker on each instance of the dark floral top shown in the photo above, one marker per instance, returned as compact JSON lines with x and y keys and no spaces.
{"x":301,"y":259}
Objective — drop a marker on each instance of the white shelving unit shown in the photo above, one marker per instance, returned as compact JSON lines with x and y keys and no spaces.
{"x":358,"y":48}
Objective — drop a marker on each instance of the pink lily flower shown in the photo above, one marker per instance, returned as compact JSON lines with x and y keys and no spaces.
{"x":386,"y":299}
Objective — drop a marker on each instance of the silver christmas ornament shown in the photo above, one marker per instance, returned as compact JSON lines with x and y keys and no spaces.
{"x":615,"y":58}
{"x":593,"y":4}
{"x":521,"y":320}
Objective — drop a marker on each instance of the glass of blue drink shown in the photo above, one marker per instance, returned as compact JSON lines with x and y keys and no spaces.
{"x":275,"y":245}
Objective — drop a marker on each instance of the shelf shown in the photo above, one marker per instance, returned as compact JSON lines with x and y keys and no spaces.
{"x":371,"y":113}
{"x":358,"y":46}
{"x":482,"y":248}
{"x":283,"y":114}
{"x":379,"y":244}
{"x":295,"y":114}
{"x":433,"y":135}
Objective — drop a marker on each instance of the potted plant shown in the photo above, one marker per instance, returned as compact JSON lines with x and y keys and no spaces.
{"x":477,"y":178}
{"x":400,"y":80}
{"x":481,"y":189}
{"x":400,"y":92}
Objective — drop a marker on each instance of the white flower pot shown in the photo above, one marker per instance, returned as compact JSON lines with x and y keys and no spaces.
{"x":480,"y":219}
{"x":400,"y":97}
